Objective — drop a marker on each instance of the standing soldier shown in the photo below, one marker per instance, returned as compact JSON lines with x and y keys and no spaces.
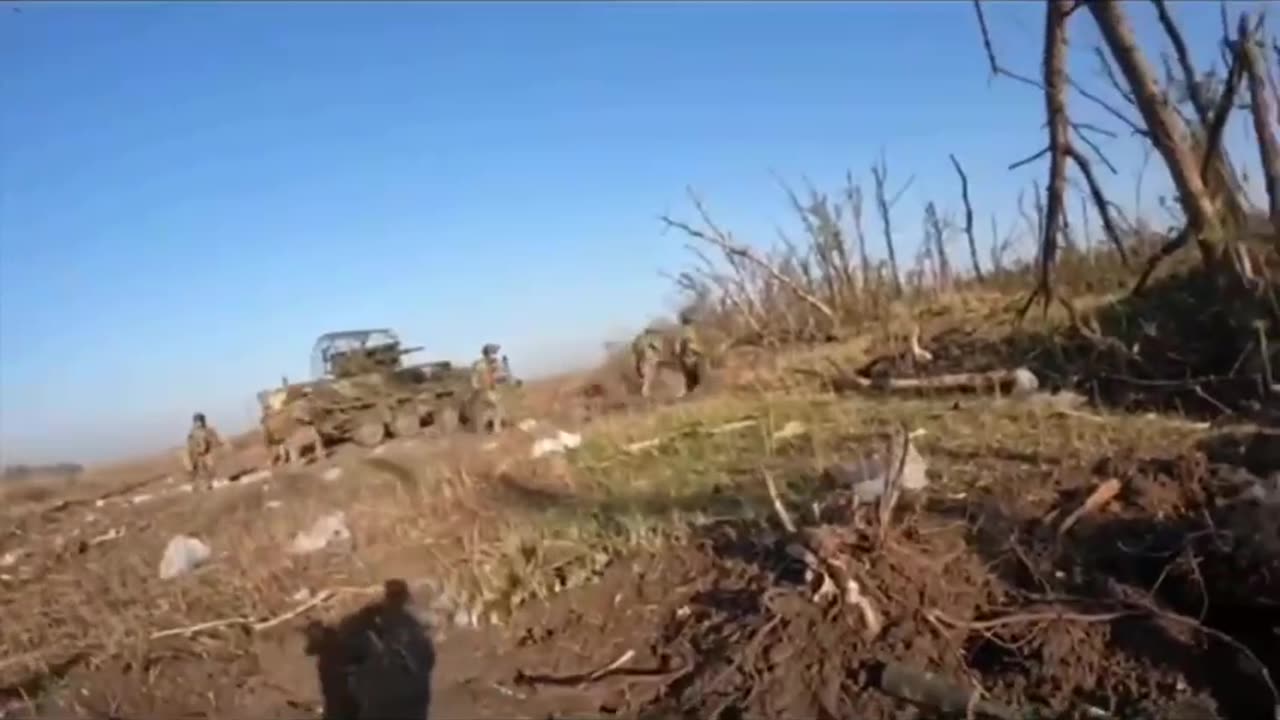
{"x":486,"y":373}
{"x":202,"y":440}
{"x":689,"y":353}
{"x":646,"y":351}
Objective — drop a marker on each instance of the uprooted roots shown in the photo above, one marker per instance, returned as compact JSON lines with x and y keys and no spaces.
{"x":976,"y":612}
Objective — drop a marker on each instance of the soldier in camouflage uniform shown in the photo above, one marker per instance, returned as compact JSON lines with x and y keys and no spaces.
{"x":689,"y":354}
{"x":486,"y":373}
{"x":202,"y":440}
{"x":646,"y":351}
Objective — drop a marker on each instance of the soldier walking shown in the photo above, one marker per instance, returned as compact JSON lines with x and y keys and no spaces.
{"x":646,"y":351}
{"x":202,"y":440}
{"x":689,"y":354}
{"x":486,"y":374}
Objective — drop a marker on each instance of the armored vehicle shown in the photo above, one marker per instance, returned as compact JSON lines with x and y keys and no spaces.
{"x":362,"y":391}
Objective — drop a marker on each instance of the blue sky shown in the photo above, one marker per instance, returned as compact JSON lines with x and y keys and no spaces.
{"x":190,"y":193}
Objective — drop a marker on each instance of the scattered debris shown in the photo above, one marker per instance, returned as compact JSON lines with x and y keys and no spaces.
{"x":1099,"y":497}
{"x":696,"y":429}
{"x":561,"y":442}
{"x":330,"y":529}
{"x":182,"y":555}
{"x":1265,"y":490}
{"x":1064,"y":401}
{"x":791,"y":429}
{"x":108,"y":536}
{"x":256,"y":476}
{"x":924,"y":688}
{"x":868,"y":476}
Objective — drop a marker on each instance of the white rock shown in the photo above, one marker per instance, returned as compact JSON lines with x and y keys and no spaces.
{"x":274,"y":504}
{"x":570,"y":440}
{"x":219,"y":483}
{"x":301,"y":596}
{"x":331,"y":474}
{"x":182,"y":555}
{"x":12,"y":557}
{"x":184,"y":488}
{"x":528,"y":425}
{"x":868,"y":476}
{"x":327,"y":530}
{"x":141,"y":498}
{"x":1024,"y":382}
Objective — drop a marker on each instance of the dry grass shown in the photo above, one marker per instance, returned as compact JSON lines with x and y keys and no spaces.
{"x":491,"y":527}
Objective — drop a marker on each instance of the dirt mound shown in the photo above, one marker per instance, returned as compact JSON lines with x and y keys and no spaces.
{"x":1179,"y":346}
{"x":1143,"y":607}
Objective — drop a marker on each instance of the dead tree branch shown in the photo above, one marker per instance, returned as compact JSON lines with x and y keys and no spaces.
{"x":1253,"y":66}
{"x":1169,"y":134}
{"x":1055,"y":93}
{"x":968,"y":218}
{"x":1189,"y":76}
{"x":880,"y":174}
{"x":732,"y":249}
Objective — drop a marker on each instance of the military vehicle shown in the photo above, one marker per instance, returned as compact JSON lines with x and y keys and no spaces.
{"x":362,"y":391}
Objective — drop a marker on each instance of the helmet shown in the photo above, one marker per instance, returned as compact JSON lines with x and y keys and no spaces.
{"x":198,"y":418}
{"x":686,"y":317}
{"x":489,"y":349}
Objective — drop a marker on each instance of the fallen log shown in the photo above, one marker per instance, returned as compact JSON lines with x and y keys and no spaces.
{"x":1016,"y":381}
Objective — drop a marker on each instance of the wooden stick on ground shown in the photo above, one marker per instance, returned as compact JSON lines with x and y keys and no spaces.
{"x":1102,"y":495}
{"x":819,"y":551}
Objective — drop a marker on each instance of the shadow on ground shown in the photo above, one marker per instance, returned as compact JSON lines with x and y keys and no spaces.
{"x":377,"y":662}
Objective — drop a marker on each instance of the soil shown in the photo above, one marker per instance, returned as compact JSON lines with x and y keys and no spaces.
{"x":1163,"y":603}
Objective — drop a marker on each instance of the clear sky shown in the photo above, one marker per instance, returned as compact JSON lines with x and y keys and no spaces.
{"x":190,"y":193}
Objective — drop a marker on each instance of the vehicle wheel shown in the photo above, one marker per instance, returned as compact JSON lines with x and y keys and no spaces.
{"x":369,"y":433}
{"x":405,"y":424}
{"x":446,"y":419}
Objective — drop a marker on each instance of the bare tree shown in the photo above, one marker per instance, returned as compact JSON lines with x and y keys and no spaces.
{"x":935,"y":236}
{"x":968,"y":218}
{"x":1254,"y":68}
{"x":1169,"y":134}
{"x":880,"y":173}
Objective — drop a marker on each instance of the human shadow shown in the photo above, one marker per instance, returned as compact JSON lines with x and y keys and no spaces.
{"x":377,"y":662}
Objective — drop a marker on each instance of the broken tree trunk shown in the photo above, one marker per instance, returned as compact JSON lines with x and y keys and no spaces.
{"x":1168,"y":133}
{"x":1254,"y":67}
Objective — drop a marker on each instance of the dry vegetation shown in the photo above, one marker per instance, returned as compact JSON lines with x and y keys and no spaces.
{"x":1060,"y":558}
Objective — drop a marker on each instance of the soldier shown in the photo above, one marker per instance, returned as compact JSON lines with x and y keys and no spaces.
{"x":689,"y":353}
{"x":202,"y":440}
{"x":486,"y":373}
{"x":646,"y":351}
